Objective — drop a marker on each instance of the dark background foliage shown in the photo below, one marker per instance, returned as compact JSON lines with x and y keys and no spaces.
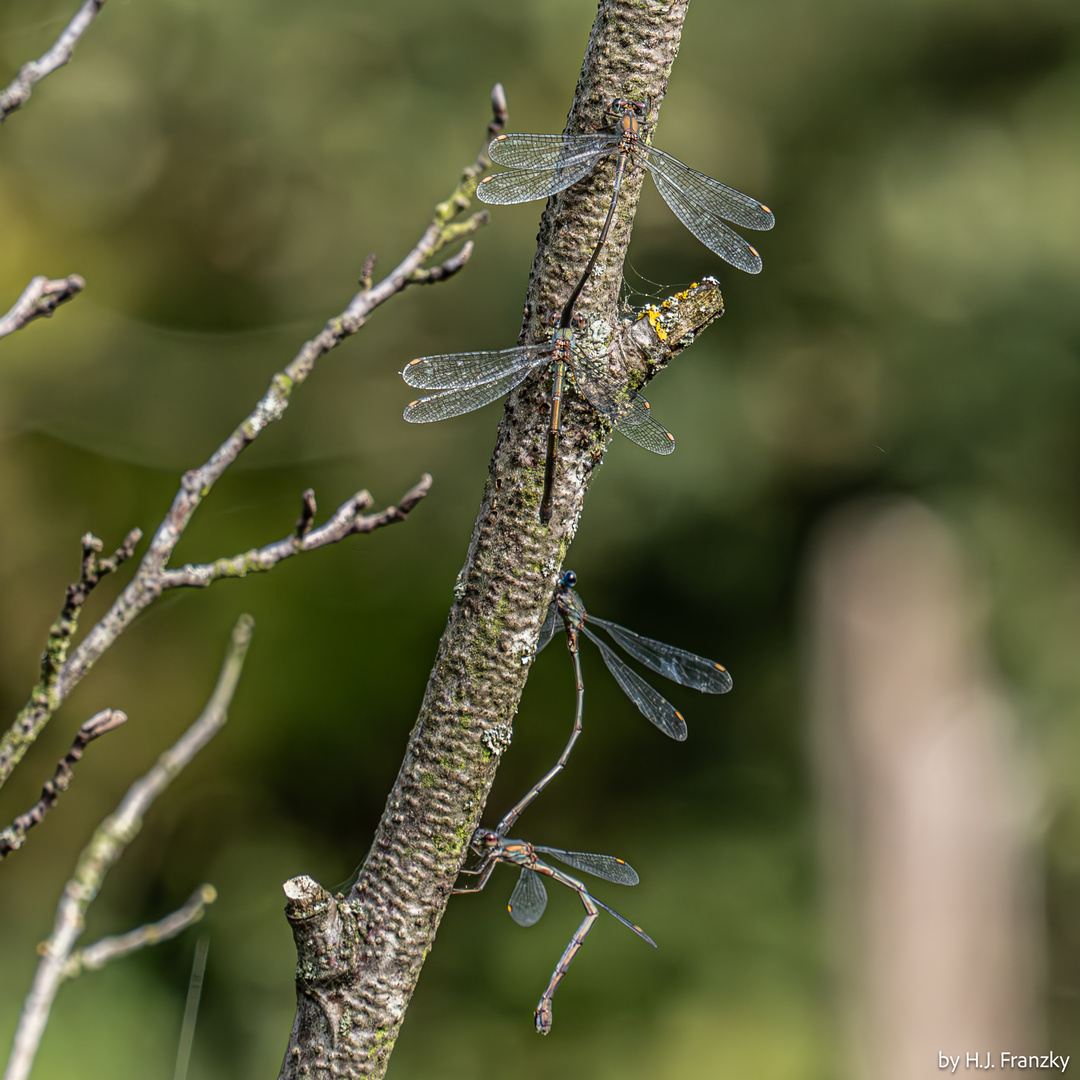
{"x":218,"y":172}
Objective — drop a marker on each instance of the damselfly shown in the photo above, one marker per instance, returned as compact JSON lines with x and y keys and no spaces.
{"x":471,"y":380}
{"x":567,"y":612}
{"x":529,"y":898}
{"x":467,"y":381}
{"x":544,"y":164}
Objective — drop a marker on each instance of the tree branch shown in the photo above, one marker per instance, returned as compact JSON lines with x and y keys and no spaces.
{"x":40,"y":298}
{"x":153,"y":576}
{"x":347,"y":520}
{"x":14,"y":836}
{"x":106,"y":846}
{"x":195,"y":485}
{"x":96,"y":956}
{"x":659,"y":333}
{"x":444,"y":270}
{"x":44,"y":699}
{"x":18,"y":92}
{"x":360,"y":956}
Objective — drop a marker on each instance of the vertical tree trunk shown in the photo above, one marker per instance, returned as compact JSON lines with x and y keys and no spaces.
{"x":928,"y":822}
{"x":360,"y":958}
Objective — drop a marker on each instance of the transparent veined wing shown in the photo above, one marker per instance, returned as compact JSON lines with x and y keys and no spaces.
{"x":524,"y":185}
{"x":464,"y":399}
{"x":529,"y":898}
{"x":718,"y":198}
{"x":705,"y":222}
{"x":678,"y":665}
{"x":596,"y":382}
{"x":550,"y":151}
{"x":602,"y":866}
{"x":453,"y":370}
{"x":540,"y":165}
{"x":551,"y":623}
{"x":626,"y":922}
{"x":651,"y":704}
{"x":640,"y":427}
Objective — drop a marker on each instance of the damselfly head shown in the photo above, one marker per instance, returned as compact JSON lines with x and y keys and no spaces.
{"x":622,"y":106}
{"x":568,"y":580}
{"x":485,"y":840}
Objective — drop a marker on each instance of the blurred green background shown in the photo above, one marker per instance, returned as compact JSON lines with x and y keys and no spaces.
{"x":218,"y":172}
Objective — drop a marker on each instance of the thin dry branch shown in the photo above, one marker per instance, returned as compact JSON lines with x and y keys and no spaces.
{"x":153,"y":575}
{"x":108,"y":843}
{"x":446,"y":269}
{"x":44,"y":699}
{"x":92,"y":571}
{"x":40,"y":299}
{"x":14,"y":836}
{"x":96,"y":956}
{"x":195,"y":485}
{"x":348,"y":520}
{"x":307,"y":514}
{"x":18,"y":92}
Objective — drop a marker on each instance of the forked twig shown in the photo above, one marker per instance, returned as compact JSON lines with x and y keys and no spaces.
{"x":108,"y":843}
{"x":95,"y":957}
{"x":348,"y":520}
{"x":153,"y":575}
{"x":43,"y":698}
{"x":196,"y":485}
{"x":18,"y":92}
{"x":14,"y":836}
{"x":40,"y":298}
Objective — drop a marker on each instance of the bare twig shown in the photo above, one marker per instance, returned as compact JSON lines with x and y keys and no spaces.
{"x":444,"y":270}
{"x":152,"y":576}
{"x":18,"y":93}
{"x":307,"y":515}
{"x":107,"y":845}
{"x":367,"y":272}
{"x":96,"y":956}
{"x":347,"y":520}
{"x":67,"y":622}
{"x":40,"y":298}
{"x":43,"y":698}
{"x":14,"y":836}
{"x":195,"y":485}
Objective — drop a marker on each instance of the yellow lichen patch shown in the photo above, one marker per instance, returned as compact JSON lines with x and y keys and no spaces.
{"x":653,"y":314}
{"x":679,"y":297}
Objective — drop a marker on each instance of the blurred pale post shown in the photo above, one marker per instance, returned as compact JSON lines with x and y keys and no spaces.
{"x":926,"y":808}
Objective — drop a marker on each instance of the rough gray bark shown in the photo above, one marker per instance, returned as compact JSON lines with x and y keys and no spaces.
{"x":360,"y":956}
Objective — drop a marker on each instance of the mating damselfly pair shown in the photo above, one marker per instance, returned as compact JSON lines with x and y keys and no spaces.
{"x":529,"y":898}
{"x":540,"y":166}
